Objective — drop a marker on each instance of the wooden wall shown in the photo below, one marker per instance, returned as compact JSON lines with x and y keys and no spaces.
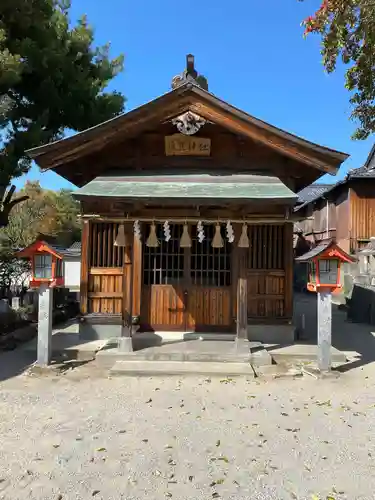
{"x":362,"y":213}
{"x":228,"y":151}
{"x":105,"y":267}
{"x":270,"y":268}
{"x":269,"y":278}
{"x":328,"y":218}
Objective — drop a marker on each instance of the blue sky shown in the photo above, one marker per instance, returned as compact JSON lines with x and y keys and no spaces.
{"x":252,"y":52}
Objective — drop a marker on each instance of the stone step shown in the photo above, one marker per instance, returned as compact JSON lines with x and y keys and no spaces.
{"x":155,"y":368}
{"x":110,"y":356}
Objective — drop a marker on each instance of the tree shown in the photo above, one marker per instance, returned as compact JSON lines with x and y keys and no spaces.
{"x":347,"y":28}
{"x":47,"y":212}
{"x":52,"y":78}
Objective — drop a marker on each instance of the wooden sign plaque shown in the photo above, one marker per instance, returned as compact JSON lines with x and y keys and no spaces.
{"x":185,"y":145}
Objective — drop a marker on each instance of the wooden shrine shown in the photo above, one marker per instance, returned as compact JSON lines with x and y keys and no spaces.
{"x":187,"y":215}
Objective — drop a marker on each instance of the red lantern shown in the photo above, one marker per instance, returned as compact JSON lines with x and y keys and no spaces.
{"x":46,"y":264}
{"x":325,"y":266}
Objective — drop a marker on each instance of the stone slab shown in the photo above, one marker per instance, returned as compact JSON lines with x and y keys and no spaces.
{"x":302,"y":352}
{"x":156,"y":368}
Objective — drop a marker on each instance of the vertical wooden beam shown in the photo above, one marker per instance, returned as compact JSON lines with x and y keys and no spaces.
{"x":237,"y":228}
{"x":288,"y":267}
{"x":85,"y":255}
{"x":137,"y":276}
{"x":242,"y":295}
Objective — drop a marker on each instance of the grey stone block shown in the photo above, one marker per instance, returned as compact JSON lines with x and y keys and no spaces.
{"x":88,"y":331}
{"x":272,"y":334}
{"x":261,"y":358}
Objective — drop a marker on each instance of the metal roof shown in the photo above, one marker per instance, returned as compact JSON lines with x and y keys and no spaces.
{"x":73,"y":251}
{"x":312,"y":192}
{"x":193,"y":186}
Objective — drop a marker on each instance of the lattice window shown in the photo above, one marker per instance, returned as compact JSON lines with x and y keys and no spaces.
{"x":103,"y":252}
{"x":210,"y":266}
{"x":266,"y":247}
{"x":164,"y":264}
{"x":43,"y":266}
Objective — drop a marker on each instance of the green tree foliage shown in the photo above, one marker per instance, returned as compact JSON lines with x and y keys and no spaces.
{"x":47,"y":212}
{"x":52,"y":78}
{"x":347,"y":28}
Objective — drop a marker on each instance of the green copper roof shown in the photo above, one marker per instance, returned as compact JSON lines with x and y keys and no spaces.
{"x":193,"y":186}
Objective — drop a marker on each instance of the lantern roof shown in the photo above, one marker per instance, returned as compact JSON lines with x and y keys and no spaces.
{"x":327,"y":249}
{"x":42,"y":246}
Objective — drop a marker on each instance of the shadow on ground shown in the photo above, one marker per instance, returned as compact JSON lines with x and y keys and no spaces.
{"x":13,"y":363}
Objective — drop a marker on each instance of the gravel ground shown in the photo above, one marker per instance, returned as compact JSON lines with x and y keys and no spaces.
{"x":81,"y":435}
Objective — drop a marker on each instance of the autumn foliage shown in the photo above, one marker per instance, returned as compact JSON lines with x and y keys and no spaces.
{"x":347,"y":28}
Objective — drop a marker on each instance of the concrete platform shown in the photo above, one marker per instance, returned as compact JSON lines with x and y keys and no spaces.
{"x":300,"y":353}
{"x":155,"y":368}
{"x":67,"y":344}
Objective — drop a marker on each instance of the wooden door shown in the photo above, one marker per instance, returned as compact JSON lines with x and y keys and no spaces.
{"x":187,"y":289}
{"x":209,"y":298}
{"x":163,"y":299}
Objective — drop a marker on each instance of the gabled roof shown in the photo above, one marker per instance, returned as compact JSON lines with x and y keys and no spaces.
{"x":313,"y":193}
{"x":327,"y":248}
{"x":59,"y":251}
{"x":187,"y":97}
{"x":39,"y":246}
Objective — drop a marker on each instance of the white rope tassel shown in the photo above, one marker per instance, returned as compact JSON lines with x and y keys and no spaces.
{"x":230,"y":232}
{"x":137,"y":229}
{"x":200,"y":230}
{"x":167,"y":231}
{"x":152,"y":241}
{"x":217,"y":241}
{"x":244,"y":239}
{"x":120,"y":240}
{"x":185,"y":241}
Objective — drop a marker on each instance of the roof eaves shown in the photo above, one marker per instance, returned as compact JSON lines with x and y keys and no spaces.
{"x":370,"y":157}
{"x":40,"y":150}
{"x":87,"y":134}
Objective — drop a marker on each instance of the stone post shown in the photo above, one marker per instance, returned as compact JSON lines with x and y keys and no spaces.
{"x":45,"y":325}
{"x":16,"y":303}
{"x":125,"y":342}
{"x":324,"y":330}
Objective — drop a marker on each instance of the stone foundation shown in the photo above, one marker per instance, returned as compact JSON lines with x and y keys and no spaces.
{"x":97,"y":331}
{"x":272,"y":334}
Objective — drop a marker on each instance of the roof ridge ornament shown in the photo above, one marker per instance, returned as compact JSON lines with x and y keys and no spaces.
{"x":189,"y":74}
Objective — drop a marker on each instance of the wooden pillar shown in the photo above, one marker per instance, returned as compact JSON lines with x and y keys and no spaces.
{"x":288,"y":267}
{"x":242,"y":295}
{"x":85,"y":256}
